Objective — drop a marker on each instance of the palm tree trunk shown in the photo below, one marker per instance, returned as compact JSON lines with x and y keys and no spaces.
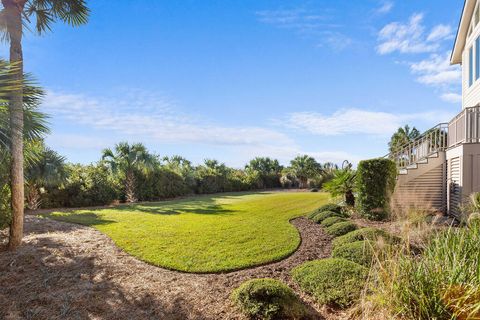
{"x":33,"y":197}
{"x":130,"y":187}
{"x":13,"y":9}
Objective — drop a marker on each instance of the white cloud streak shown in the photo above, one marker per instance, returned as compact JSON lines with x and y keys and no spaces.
{"x":386,"y":7}
{"x":452,"y":97}
{"x":437,"y":71}
{"x":411,"y":37}
{"x":357,"y":121}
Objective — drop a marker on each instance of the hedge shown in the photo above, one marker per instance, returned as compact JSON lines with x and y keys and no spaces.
{"x":327,"y":207}
{"x":376,"y":180}
{"x":341,"y":228}
{"x":268,"y":299}
{"x":331,"y":221}
{"x":371,"y":234}
{"x":335,"y":282}
{"x":360,"y":252}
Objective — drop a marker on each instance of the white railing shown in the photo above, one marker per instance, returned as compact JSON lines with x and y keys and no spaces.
{"x":429,"y":143}
{"x":465,"y":127}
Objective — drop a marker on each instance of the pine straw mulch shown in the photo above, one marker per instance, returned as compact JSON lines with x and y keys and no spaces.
{"x":67,"y":271}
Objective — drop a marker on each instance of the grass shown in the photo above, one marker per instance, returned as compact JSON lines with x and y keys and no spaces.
{"x":205,"y":234}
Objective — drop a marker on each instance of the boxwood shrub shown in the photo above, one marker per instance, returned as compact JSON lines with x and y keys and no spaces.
{"x":360,"y":252}
{"x":341,"y":228}
{"x":327,"y":207}
{"x":268,"y":299}
{"x":371,"y":234}
{"x":335,"y":282}
{"x":331,"y":221}
{"x":320,"y":216}
{"x":376,"y":180}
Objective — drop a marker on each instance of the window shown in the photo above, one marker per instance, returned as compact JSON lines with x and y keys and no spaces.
{"x":477,"y":58}
{"x":470,"y":66}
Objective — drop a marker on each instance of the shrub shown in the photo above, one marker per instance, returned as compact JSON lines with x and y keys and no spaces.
{"x":370,"y":234}
{"x":474,"y":219}
{"x":336,"y":282}
{"x":320,"y":216}
{"x":442,"y":283}
{"x":327,"y":207}
{"x":341,"y":228}
{"x":331,"y":221}
{"x":375,"y":183}
{"x":360,"y":252}
{"x":268,"y":299}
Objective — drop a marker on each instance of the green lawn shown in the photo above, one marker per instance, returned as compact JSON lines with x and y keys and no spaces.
{"x":205,"y":234}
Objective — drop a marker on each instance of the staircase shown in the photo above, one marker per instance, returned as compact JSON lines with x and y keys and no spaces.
{"x":422,"y":170}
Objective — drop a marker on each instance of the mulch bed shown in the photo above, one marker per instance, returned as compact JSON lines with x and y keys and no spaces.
{"x":67,"y":271}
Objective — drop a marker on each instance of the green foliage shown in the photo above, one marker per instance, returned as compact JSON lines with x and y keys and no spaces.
{"x":331,"y":221}
{"x":442,"y":283}
{"x":320,"y":216}
{"x":341,"y":228}
{"x":370,"y":234}
{"x":5,"y":210}
{"x":360,"y":252}
{"x":268,"y":171}
{"x":86,"y":186}
{"x":327,"y":207}
{"x":303,"y":168}
{"x":375,"y":183}
{"x":343,"y":184}
{"x":336,"y":282}
{"x":402,"y":137}
{"x":268,"y":299}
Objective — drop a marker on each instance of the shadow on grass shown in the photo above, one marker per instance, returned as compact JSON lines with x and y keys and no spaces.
{"x":84,"y":218}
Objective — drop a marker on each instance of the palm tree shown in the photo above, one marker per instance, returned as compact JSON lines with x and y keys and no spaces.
{"x":46,"y":170}
{"x":14,"y":16}
{"x":125,"y":160}
{"x":343,"y":183}
{"x":402,"y":137}
{"x":305,"y":167}
{"x":269,"y":171}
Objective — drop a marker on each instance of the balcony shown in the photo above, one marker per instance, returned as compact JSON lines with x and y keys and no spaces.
{"x":465,"y":127}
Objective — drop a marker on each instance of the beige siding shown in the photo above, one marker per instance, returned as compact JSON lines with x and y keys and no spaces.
{"x":455,"y":185}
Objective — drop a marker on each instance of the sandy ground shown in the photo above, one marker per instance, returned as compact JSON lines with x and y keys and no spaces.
{"x":67,"y":271}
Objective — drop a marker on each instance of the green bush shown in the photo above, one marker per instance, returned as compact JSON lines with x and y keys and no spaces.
{"x":371,"y":234}
{"x":375,"y":183}
{"x":360,"y":252}
{"x":335,"y":282}
{"x":327,"y":207}
{"x":5,"y":208}
{"x":331,"y":221}
{"x":320,"y":216}
{"x":268,"y":299}
{"x":341,"y":228}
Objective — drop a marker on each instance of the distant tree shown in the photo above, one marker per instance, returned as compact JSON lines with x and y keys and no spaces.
{"x":13,"y":17}
{"x":47,"y":169}
{"x":268,"y":171}
{"x":343,"y":183}
{"x":124,"y":160}
{"x":403,"y":136}
{"x":304,"y":167}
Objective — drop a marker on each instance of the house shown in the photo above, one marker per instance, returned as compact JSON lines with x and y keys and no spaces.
{"x":441,"y":168}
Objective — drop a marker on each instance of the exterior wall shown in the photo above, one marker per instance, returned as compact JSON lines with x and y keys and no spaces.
{"x":470,"y":95}
{"x":422,"y":188}
{"x":463,"y":177}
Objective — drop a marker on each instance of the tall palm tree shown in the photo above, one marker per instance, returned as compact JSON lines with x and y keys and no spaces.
{"x":124,"y":160}
{"x":14,"y":16}
{"x":46,"y":170}
{"x":403,"y":136}
{"x":305,"y":167}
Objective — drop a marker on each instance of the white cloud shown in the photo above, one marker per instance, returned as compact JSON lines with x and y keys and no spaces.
{"x":437,"y":71}
{"x":451,"y":97}
{"x":153,"y":118}
{"x":308,"y":23}
{"x":411,"y":37}
{"x":357,"y":121}
{"x":386,"y":7}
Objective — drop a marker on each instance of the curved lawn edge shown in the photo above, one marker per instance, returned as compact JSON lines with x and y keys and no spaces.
{"x":226,"y":271}
{"x":212,"y":236}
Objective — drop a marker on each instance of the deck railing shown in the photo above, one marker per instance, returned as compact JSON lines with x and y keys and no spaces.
{"x":429,"y":143}
{"x":465,"y":127}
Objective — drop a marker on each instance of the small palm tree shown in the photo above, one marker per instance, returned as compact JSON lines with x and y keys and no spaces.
{"x":403,"y":136}
{"x":124,"y":160}
{"x":305,"y":167}
{"x":46,"y":170}
{"x":343,"y":183}
{"x":14,"y":16}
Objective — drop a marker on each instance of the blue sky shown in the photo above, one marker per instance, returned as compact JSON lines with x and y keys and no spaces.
{"x":232,"y":80}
